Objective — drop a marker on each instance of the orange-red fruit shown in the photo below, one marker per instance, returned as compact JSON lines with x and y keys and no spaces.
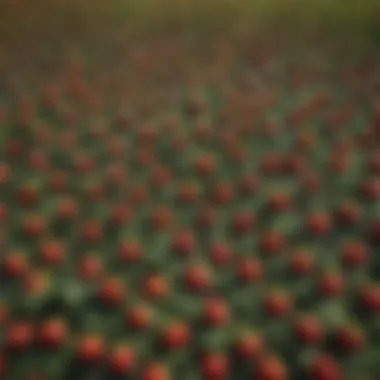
{"x":250,"y":270}
{"x":319,"y":224}
{"x":198,"y":278}
{"x":271,"y":368}
{"x":34,"y":226}
{"x":272,"y":243}
{"x":325,"y":367}
{"x":52,"y":253}
{"x":177,"y":335}
{"x":369,"y":298}
{"x":184,"y":243}
{"x":139,"y":317}
{"x":53,"y":333}
{"x":309,"y":330}
{"x":348,"y":213}
{"x":156,"y":371}
{"x":215,"y":366}
{"x":205,"y":165}
{"x":355,"y":254}
{"x":122,"y":359}
{"x":156,"y":286}
{"x":216,"y":312}
{"x":221,"y":253}
{"x":278,"y":304}
{"x":249,"y":346}
{"x":91,"y":349}
{"x":19,"y":335}
{"x":331,"y":285}
{"x":90,"y":268}
{"x":15,"y":265}
{"x":301,"y":263}
{"x":130,"y":251}
{"x":113,"y":291}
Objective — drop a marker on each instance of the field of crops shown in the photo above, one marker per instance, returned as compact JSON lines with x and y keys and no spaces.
{"x":189,"y":190}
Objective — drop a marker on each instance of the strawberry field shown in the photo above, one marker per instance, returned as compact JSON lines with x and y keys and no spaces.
{"x":189,"y":190}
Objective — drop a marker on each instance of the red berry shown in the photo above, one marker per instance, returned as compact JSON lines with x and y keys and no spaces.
{"x":244,"y":222}
{"x":324,"y":367}
{"x":350,"y":338}
{"x":221,"y":253}
{"x":250,"y":270}
{"x":90,"y":268}
{"x":309,"y":330}
{"x":139,"y":317}
{"x":15,"y":264}
{"x":272,"y":243}
{"x":162,"y":218}
{"x":331,"y":285}
{"x":216,"y":312}
{"x":156,"y":286}
{"x":113,"y":291}
{"x":34,"y":226}
{"x":279,"y":202}
{"x":122,"y":359}
{"x":53,"y":333}
{"x":271,"y":368}
{"x":155,"y":371}
{"x":177,"y":335}
{"x":355,"y":254}
{"x":198,"y":278}
{"x":250,"y":346}
{"x":92,"y":231}
{"x":223,"y":193}
{"x":370,"y":297}
{"x":130,"y":251}
{"x":301,"y":263}
{"x":91,"y":349}
{"x":215,"y":366}
{"x":278,"y":304}
{"x":53,"y":253}
{"x":319,"y":224}
{"x":348,"y":213}
{"x":371,"y":189}
{"x":205,"y":165}
{"x":19,"y":335}
{"x":184,"y":243}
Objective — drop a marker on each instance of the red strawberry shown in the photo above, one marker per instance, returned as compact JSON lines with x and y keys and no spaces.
{"x":189,"y":192}
{"x":34,"y":225}
{"x":122,"y":359}
{"x":249,"y":184}
{"x":177,"y":335}
{"x":277,"y":304}
{"x":223,"y":193}
{"x":156,"y":286}
{"x":90,"y":268}
{"x":58,"y":180}
{"x":272,"y":243}
{"x":139,"y":317}
{"x":67,"y":208}
{"x":279,"y":202}
{"x":155,"y":371}
{"x":348,"y":213}
{"x":355,"y":254}
{"x":53,"y":333}
{"x":184,"y":242}
{"x":271,"y":163}
{"x":350,"y":338}
{"x":370,"y":297}
{"x":38,"y":160}
{"x":198,"y":278}
{"x":205,"y":165}
{"x":221,"y":253}
{"x":121,"y":214}
{"x":52,"y":252}
{"x":162,"y":218}
{"x":331,"y":285}
{"x":92,"y":231}
{"x":371,"y":189}
{"x":249,"y":345}
{"x":215,"y":366}
{"x":91,"y":349}
{"x":294,"y":164}
{"x":113,"y":291}
{"x":15,"y":264}
{"x":311,"y":183}
{"x":19,"y":335}
{"x":131,"y":251}
{"x":271,"y":367}
{"x":244,"y":222}
{"x":250,"y":270}
{"x":36,"y":283}
{"x":301,"y":263}
{"x":216,"y":312}
{"x":28,"y":195}
{"x":5,"y":173}
{"x":325,"y":367}
{"x":309,"y":330}
{"x":319,"y":224}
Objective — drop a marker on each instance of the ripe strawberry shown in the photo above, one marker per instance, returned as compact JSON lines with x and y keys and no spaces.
{"x":277,"y":304}
{"x":113,"y":291}
{"x":250,"y":270}
{"x":331,"y":285}
{"x":221,"y":253}
{"x":369,"y":298}
{"x":198,"y":278}
{"x":139,"y":194}
{"x":130,"y":251}
{"x":139,"y":317}
{"x":90,"y":268}
{"x":215,"y":366}
{"x":122,"y":359}
{"x":371,"y":189}
{"x":272,"y":243}
{"x":121,"y":214}
{"x":67,"y":208}
{"x":91,"y":349}
{"x":355,"y":254}
{"x":271,"y":163}
{"x":350,"y":338}
{"x":249,"y":345}
{"x":156,"y":286}
{"x":53,"y":333}
{"x":19,"y":335}
{"x":223,"y":193}
{"x":325,"y":367}
{"x":28,"y":195}
{"x":15,"y":264}
{"x":92,"y":231}
{"x":216,"y":312}
{"x":301,"y":263}
{"x":309,"y":330}
{"x":319,"y":224}
{"x":155,"y":371}
{"x":348,"y":213}
{"x":52,"y":253}
{"x":271,"y":367}
{"x":59,"y":181}
{"x":243,"y":222}
{"x":279,"y":202}
{"x":249,"y":184}
{"x":205,"y":165}
{"x":34,"y":225}
{"x":177,"y":335}
{"x":162,"y":218}
{"x":184,"y":242}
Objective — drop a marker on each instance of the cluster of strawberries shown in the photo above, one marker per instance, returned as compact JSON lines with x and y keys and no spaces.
{"x":167,"y":213}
